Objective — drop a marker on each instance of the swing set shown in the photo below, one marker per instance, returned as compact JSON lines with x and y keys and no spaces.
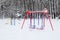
{"x":44,"y":12}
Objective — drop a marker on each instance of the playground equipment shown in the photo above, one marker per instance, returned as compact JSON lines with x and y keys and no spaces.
{"x":44,"y":12}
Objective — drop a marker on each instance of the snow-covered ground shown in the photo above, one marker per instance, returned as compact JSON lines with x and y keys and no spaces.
{"x":14,"y":32}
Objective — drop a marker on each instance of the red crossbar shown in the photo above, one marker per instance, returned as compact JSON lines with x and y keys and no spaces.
{"x":45,"y":11}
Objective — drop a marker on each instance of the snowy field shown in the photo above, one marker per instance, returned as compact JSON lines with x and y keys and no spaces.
{"x":14,"y":32}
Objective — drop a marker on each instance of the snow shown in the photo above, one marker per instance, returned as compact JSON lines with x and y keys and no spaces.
{"x":14,"y":32}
